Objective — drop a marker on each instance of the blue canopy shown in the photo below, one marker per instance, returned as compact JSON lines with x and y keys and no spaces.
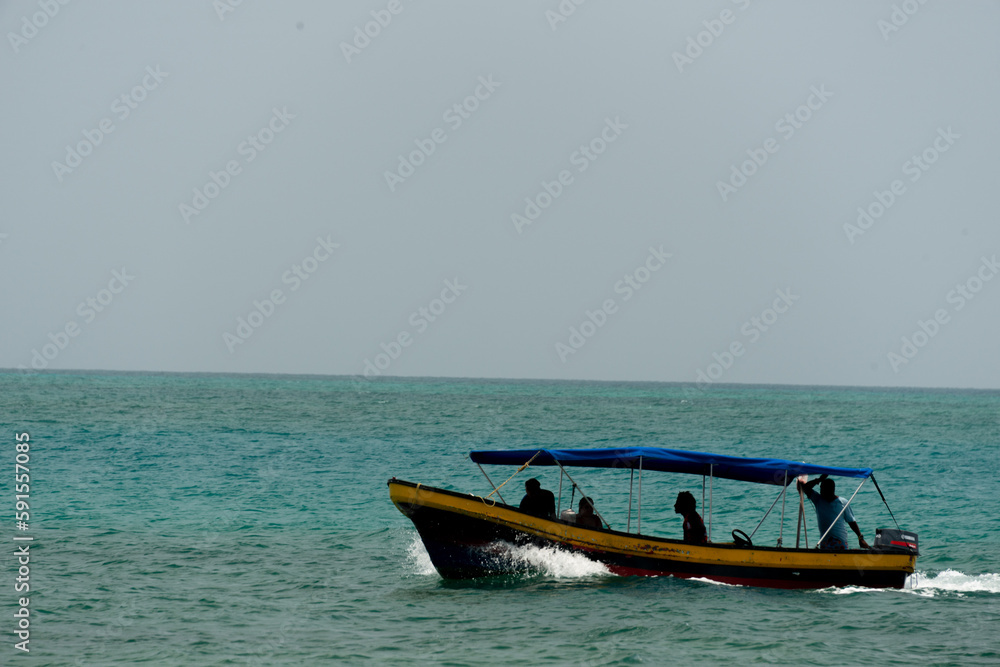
{"x":760,"y":471}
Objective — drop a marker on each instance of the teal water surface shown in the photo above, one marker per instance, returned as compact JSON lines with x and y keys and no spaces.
{"x":227,"y":520}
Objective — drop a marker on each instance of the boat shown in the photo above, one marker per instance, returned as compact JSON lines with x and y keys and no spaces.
{"x":468,"y":536}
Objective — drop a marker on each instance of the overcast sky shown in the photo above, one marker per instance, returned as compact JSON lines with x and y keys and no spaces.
{"x":749,"y":192}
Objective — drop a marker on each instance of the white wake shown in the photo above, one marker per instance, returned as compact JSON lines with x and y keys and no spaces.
{"x":953,"y":580}
{"x":930,"y":585}
{"x":551,"y":562}
{"x":557,"y":563}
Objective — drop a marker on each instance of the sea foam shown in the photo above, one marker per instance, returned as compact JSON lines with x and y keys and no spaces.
{"x":557,"y":563}
{"x":418,"y":559}
{"x":930,"y":585}
{"x":953,"y":580}
{"x":547,"y":561}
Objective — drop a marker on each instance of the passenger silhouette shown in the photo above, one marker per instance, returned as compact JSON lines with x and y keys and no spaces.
{"x":538,"y":501}
{"x":694,"y":527}
{"x":586,"y":517}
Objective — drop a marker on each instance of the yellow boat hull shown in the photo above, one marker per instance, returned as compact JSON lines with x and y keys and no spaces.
{"x":464,"y":534}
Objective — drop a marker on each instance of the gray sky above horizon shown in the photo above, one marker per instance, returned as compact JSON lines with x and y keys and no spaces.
{"x":697,"y":168}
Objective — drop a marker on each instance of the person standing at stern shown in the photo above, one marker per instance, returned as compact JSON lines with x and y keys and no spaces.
{"x":828,"y":506}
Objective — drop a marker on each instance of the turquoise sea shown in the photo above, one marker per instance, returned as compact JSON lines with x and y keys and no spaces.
{"x":232,"y":520}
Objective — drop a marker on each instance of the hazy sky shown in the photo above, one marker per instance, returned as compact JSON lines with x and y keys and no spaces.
{"x":748,"y":191}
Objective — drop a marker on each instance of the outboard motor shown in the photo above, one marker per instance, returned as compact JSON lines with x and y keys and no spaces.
{"x":895,"y":541}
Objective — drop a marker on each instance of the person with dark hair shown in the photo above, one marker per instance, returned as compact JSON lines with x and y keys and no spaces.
{"x":828,"y":509}
{"x":694,"y":527}
{"x":538,"y":501}
{"x":586,"y":517}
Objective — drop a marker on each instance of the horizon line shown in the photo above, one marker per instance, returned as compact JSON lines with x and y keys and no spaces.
{"x":359,"y":376}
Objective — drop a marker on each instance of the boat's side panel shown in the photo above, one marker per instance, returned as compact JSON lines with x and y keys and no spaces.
{"x":457,"y":531}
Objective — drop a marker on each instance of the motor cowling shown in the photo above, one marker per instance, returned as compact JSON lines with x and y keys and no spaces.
{"x":897,"y":541}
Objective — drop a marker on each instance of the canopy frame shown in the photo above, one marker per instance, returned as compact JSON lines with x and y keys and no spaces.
{"x":638,"y":530}
{"x":761,"y":522}
{"x":800,"y":523}
{"x":495,"y":489}
{"x":746,"y":469}
{"x":710,"y":478}
{"x":631,"y":478}
{"x":784,"y":490}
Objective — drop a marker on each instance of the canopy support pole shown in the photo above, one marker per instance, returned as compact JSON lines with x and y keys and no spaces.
{"x":559,"y":503}
{"x":801,"y":521}
{"x":702,"y":493}
{"x":884,"y":502}
{"x":805,"y":523}
{"x":711,"y":477}
{"x":776,"y":498}
{"x":784,"y":489}
{"x":495,"y":489}
{"x":628,"y":525}
{"x":584,"y":495}
{"x":844,"y":509}
{"x":638,"y":530}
